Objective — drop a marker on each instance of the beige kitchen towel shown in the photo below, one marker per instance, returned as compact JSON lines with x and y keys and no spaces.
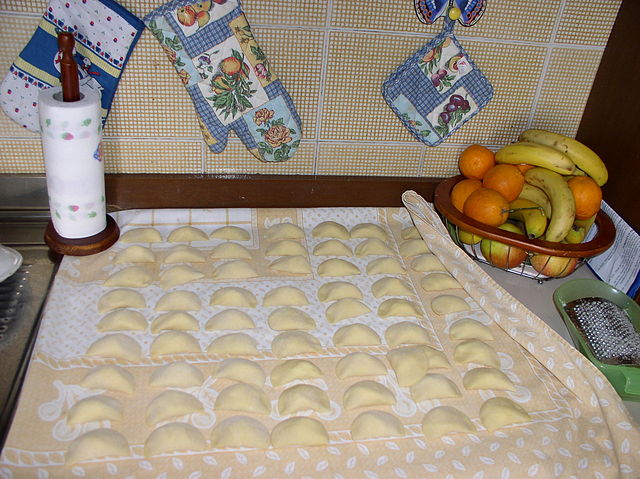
{"x":578,"y":427}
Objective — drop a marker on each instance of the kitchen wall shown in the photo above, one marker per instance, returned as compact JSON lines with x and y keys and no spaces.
{"x":332,"y":56}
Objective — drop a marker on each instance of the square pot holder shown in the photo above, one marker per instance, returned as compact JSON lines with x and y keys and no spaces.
{"x":438,"y":89}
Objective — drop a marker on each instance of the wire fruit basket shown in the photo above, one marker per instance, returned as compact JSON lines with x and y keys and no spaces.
{"x":551,"y":259}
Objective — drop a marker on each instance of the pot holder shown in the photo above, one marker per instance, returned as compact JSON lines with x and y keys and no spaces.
{"x":438,"y":89}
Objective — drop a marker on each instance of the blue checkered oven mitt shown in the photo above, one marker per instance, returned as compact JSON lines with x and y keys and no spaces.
{"x":228,"y":77}
{"x":438,"y":89}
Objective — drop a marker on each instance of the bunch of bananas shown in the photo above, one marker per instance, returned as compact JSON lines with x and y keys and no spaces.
{"x":546,"y":205}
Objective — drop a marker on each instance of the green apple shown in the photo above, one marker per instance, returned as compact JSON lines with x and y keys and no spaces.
{"x":468,"y":238}
{"x":503,"y":255}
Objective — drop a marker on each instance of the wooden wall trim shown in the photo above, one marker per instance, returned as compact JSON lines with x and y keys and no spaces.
{"x":132,"y":191}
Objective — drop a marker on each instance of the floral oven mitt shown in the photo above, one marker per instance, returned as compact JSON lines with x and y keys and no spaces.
{"x":438,"y":89}
{"x":228,"y":77}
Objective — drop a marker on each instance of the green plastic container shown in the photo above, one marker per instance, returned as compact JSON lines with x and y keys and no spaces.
{"x":624,"y":378}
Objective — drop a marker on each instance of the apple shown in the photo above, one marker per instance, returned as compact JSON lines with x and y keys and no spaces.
{"x":468,"y":238}
{"x":186,"y":16}
{"x":554,"y":266}
{"x":503,"y":255}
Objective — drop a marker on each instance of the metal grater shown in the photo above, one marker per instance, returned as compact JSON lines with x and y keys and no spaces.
{"x":607,"y":329}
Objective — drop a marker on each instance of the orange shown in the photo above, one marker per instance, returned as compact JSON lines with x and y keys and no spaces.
{"x":475,"y":161}
{"x":462,"y":190}
{"x":505,"y":179}
{"x":524,"y":167}
{"x":587,"y":194}
{"x":487,"y":206}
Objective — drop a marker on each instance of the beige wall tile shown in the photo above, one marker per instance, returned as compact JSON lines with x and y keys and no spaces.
{"x":21,"y":156}
{"x":22,"y":6}
{"x":587,"y":23}
{"x":236,"y":159}
{"x":152,"y":156}
{"x":363,"y":159}
{"x":441,"y":162}
{"x":385,"y":15}
{"x":304,"y":13}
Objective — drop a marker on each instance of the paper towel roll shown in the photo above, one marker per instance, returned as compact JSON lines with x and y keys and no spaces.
{"x":71,"y":143}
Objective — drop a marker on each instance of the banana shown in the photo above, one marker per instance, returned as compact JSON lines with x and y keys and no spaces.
{"x":532,"y":193}
{"x":562,"y":203}
{"x":536,"y":154}
{"x":531,"y":214}
{"x":583,"y":156}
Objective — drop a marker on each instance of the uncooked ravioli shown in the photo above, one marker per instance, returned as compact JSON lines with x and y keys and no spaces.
{"x":95,"y":408}
{"x":174,"y":437}
{"x":439,"y":282}
{"x":391,"y":287}
{"x":367,"y":393}
{"x":373,"y":247}
{"x":240,"y":431}
{"x":487,"y":378}
{"x":135,"y":254}
{"x":176,"y":375}
{"x":406,"y":332}
{"x":385,"y":265}
{"x":448,"y":303}
{"x":177,"y":275}
{"x":292,"y":343}
{"x":230,"y":251}
{"x":434,"y":386}
{"x":171,"y":404}
{"x":332,"y":247}
{"x":345,"y":309}
{"x":234,"y":269}
{"x":476,"y":351}
{"x":303,"y":397}
{"x":468,"y":328}
{"x":120,"y":298}
{"x":299,"y":431}
{"x":411,"y":363}
{"x":285,"y":296}
{"x":426,"y":263}
{"x":239,"y":344}
{"x":174,"y":342}
{"x":375,"y":424}
{"x":330,"y":229}
{"x":338,"y":290}
{"x":184,"y":254}
{"x":297,"y":264}
{"x":109,"y":377}
{"x":129,"y":277}
{"x":443,"y":420}
{"x":355,"y":335}
{"x":233,"y":296}
{"x":368,"y":230}
{"x":292,"y":370}
{"x":283,"y":231}
{"x":243,"y":397}
{"x":398,"y":307}
{"x":413,"y":247}
{"x":285,"y":248}
{"x":117,"y":346}
{"x":231,"y":233}
{"x":290,"y":319}
{"x":500,"y":412}
{"x":410,"y":232}
{"x":122,"y":320}
{"x":186,"y":234}
{"x":97,"y":444}
{"x":141,"y":235}
{"x":174,"y":321}
{"x":179,"y":301}
{"x":240,"y":369}
{"x":360,"y":364}
{"x":337,"y":267}
{"x":229,"y":319}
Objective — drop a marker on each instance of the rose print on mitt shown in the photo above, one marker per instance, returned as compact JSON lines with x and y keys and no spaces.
{"x":278,"y":141}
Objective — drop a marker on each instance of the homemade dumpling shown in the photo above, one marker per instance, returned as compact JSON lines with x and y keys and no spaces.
{"x":120,"y":298}
{"x":448,"y":303}
{"x":303,"y":397}
{"x":235,"y":269}
{"x":243,"y":397}
{"x":240,"y":431}
{"x":176,"y":375}
{"x":97,"y":444}
{"x":230,"y":251}
{"x":426,"y":263}
{"x":109,"y":377}
{"x":434,"y":386}
{"x":229,"y":319}
{"x":367,"y":393}
{"x":410,"y":232}
{"x":135,"y":254}
{"x":444,"y":420}
{"x":129,"y":277}
{"x":375,"y":424}
{"x":467,"y":328}
{"x":290,"y":319}
{"x":171,"y":404}
{"x":95,"y":408}
{"x":231,"y":233}
{"x":174,"y":342}
{"x":330,"y":229}
{"x":385,"y":265}
{"x":186,"y":234}
{"x":292,"y":370}
{"x":487,"y":378}
{"x":184,"y":254}
{"x":242,"y":370}
{"x":297,"y":264}
{"x":344,"y":309}
{"x":299,"y":431}
{"x":338,"y":290}
{"x":439,"y":282}
{"x":179,"y":301}
{"x":368,"y":230}
{"x":337,"y":267}
{"x":239,"y":344}
{"x":285,"y":248}
{"x":141,"y":235}
{"x":406,"y":332}
{"x":122,"y":320}
{"x":118,"y":346}
{"x":355,"y":335}
{"x":177,"y":275}
{"x":398,"y":307}
{"x":499,"y":412}
{"x":476,"y":351}
{"x":174,"y":321}
{"x":292,"y":343}
{"x":413,"y":247}
{"x":174,"y":437}
{"x":391,"y":287}
{"x":332,"y":247}
{"x":283,"y":231}
{"x":371,"y":247}
{"x":233,"y":296}
{"x":285,"y":296}
{"x":360,"y":364}
{"x":411,"y":363}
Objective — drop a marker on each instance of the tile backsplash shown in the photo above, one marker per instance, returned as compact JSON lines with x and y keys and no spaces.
{"x":332,"y":56}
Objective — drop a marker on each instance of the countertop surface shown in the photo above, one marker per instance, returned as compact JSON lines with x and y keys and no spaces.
{"x":538,"y":297}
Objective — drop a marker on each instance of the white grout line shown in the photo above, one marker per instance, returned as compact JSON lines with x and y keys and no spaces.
{"x":545,"y":65}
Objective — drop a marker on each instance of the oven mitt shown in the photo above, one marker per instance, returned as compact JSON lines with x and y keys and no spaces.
{"x":228,"y":77}
{"x":438,"y":89}
{"x":105,"y":34}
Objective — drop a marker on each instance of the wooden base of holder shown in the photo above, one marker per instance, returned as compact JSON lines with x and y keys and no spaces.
{"x":82,"y":246}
